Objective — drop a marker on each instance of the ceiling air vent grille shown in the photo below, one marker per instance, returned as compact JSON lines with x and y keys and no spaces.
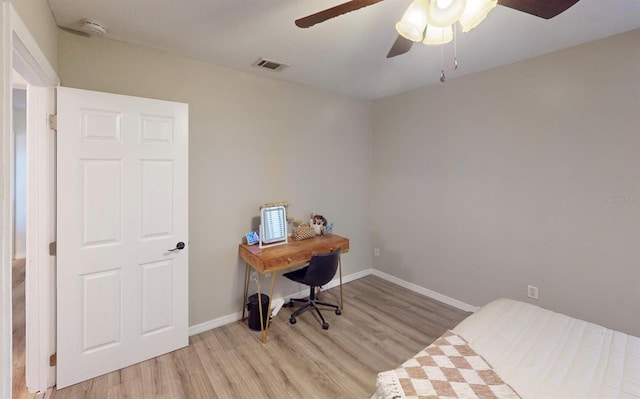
{"x":272,"y":65}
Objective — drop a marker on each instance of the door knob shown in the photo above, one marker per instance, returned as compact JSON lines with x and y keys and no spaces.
{"x":180,"y":245}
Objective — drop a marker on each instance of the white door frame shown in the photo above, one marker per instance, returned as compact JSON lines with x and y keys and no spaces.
{"x":21,"y":52}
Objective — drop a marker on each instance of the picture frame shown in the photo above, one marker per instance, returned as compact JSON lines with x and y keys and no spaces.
{"x":252,"y":238}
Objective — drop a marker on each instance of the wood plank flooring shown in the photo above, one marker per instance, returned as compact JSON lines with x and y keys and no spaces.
{"x":381,"y":326}
{"x":17,"y":287}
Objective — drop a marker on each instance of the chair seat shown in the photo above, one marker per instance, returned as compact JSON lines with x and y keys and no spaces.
{"x":297,"y":275}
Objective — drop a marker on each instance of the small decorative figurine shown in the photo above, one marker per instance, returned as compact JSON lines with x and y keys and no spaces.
{"x":319,"y":223}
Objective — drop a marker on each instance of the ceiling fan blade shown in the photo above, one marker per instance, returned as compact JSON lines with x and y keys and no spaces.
{"x":400,"y":46}
{"x":333,"y":12}
{"x":540,"y":8}
{"x":75,"y":31}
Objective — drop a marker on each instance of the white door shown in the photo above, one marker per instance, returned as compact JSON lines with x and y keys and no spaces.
{"x":122,"y":197}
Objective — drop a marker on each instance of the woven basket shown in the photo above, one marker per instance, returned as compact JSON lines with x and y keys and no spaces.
{"x":303,"y":232}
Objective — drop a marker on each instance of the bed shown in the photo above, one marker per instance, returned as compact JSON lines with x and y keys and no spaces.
{"x":535,"y":353}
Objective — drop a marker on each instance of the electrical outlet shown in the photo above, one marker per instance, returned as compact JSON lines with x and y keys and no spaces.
{"x":252,"y":275}
{"x":376,"y":252}
{"x":532,"y":292}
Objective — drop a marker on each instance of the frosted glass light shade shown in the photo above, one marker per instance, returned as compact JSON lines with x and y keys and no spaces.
{"x":414,"y":20}
{"x":436,"y":35}
{"x":445,"y":13}
{"x":475,"y":12}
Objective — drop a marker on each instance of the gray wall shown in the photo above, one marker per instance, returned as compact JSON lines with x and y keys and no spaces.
{"x":525,"y":174}
{"x":252,"y":140}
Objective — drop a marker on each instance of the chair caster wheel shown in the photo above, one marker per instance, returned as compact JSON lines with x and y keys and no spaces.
{"x":338,"y":312}
{"x":325,"y":326}
{"x":290,"y":304}
{"x":292,"y":320}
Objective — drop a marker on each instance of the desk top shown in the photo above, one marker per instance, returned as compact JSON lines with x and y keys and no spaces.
{"x":294,"y":253}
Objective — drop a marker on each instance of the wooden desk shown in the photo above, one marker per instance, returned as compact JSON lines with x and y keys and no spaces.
{"x":283,"y":257}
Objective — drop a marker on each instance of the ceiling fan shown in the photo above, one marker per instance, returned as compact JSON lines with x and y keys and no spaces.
{"x":541,"y":8}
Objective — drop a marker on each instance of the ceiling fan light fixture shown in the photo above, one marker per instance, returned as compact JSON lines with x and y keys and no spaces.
{"x":414,"y":21}
{"x":443,"y":13}
{"x":475,"y":12}
{"x":436,"y":35}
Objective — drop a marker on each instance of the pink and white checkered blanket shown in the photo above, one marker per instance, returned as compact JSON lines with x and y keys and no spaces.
{"x":448,"y":368}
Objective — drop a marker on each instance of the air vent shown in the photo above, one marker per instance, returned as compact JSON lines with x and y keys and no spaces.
{"x":270,"y":64}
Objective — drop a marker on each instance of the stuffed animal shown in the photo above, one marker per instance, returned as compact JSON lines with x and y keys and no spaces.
{"x":319,"y":223}
{"x":319,"y":219}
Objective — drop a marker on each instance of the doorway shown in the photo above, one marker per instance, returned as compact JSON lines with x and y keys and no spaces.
{"x":22,"y":54}
{"x":19,"y":127}
{"x":19,"y":250}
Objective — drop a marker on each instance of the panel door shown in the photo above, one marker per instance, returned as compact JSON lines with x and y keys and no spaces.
{"x":122,"y":197}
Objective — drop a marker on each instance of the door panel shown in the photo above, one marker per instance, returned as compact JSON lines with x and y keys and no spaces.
{"x":157,"y":296}
{"x":157,"y":204}
{"x":102,"y":305}
{"x":122,"y":204}
{"x":101,"y":189}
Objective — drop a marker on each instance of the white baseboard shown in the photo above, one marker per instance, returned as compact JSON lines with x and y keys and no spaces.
{"x":211,"y":324}
{"x":426,"y":292}
{"x":345,"y":279}
{"x":221,"y":321}
{"x":230,"y":318}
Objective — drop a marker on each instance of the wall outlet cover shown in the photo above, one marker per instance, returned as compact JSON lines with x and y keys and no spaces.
{"x":532,"y":292}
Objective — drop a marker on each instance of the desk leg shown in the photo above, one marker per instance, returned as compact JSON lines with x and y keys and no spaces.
{"x":263,"y":330}
{"x":264,"y":327}
{"x":340,"y":267}
{"x":264,"y":333}
{"x":246,"y":289}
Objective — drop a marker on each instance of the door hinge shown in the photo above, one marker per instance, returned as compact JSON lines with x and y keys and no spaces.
{"x":53,"y":122}
{"x":53,"y":359}
{"x":53,"y":248}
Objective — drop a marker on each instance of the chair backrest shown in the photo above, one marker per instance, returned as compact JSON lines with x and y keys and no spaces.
{"x":322,"y":268}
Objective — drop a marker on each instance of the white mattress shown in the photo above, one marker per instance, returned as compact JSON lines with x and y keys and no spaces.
{"x":543,"y":354}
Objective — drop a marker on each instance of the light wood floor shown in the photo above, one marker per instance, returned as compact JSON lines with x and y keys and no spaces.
{"x":381,"y":326}
{"x":17,"y":286}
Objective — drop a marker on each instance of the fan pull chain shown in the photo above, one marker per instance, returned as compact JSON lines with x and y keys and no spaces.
{"x":442,"y":77}
{"x":455,"y":47}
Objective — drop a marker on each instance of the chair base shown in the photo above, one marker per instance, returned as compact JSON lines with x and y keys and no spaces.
{"x":311,"y":303}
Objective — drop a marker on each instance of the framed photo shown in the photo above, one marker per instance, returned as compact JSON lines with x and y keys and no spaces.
{"x":252,"y":238}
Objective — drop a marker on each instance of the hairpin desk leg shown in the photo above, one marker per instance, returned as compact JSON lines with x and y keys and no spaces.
{"x":273,"y":281}
{"x":264,"y":327}
{"x":246,"y":289}
{"x":340,"y":267}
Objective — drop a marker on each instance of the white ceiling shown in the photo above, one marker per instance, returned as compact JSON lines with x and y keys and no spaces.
{"x":345,"y":54}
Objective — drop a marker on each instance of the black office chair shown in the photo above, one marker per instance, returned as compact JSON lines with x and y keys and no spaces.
{"x":318,"y":272}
